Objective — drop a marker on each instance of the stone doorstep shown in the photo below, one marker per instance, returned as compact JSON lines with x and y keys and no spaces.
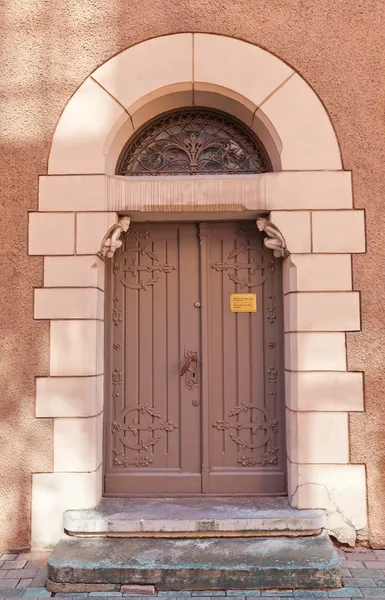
{"x":195,"y":564}
{"x":185,"y":517}
{"x":200,"y":534}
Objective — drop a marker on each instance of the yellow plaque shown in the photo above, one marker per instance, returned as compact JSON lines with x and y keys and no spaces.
{"x":243,"y":302}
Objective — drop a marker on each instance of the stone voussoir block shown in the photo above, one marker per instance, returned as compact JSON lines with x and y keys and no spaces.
{"x":74,"y":150}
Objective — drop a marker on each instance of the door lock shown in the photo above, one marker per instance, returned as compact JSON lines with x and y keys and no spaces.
{"x":190,"y":369}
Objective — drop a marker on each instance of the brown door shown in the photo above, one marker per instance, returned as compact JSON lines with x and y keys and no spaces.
{"x":195,"y":400}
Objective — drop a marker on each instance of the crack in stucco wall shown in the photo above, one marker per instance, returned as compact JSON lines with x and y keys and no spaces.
{"x":339,"y":523}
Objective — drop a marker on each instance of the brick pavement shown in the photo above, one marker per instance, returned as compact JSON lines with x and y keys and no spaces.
{"x":363,"y":576}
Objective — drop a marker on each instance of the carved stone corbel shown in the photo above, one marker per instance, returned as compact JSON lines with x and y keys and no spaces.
{"x":111,"y":241}
{"x":274,"y":240}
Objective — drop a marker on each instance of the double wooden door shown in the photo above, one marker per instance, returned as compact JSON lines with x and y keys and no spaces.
{"x":194,"y":391}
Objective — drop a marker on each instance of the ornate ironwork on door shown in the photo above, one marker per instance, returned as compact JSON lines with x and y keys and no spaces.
{"x":255,"y":421}
{"x":192,"y":142}
{"x":250,"y":421}
{"x":252,"y":265}
{"x":195,"y":397}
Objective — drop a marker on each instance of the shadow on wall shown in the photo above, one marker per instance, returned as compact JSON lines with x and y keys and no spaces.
{"x":25,"y":443}
{"x":48,"y":51}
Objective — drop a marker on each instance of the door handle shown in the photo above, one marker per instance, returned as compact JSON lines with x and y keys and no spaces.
{"x":190,"y":369}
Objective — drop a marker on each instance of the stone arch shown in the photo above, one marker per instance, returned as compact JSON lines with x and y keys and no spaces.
{"x":80,"y":199}
{"x":190,"y":67}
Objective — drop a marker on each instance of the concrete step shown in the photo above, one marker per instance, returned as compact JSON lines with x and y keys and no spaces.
{"x":188,"y":517}
{"x":194,"y":564}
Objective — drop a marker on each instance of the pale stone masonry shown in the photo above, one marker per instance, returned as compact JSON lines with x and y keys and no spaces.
{"x":309,"y":197}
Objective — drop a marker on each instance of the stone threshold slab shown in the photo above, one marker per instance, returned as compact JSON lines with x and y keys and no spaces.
{"x":196,"y":564}
{"x":203,"y":516}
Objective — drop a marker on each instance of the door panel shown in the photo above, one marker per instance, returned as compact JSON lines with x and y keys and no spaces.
{"x":218,"y":428}
{"x":153,"y":416}
{"x":245,"y":404}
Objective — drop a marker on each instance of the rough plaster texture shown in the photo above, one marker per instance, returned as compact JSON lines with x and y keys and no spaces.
{"x":335,"y":46}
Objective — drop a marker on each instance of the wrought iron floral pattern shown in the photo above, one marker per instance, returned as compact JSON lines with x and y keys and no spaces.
{"x":192,"y":142}
{"x":256,"y":420}
{"x":134,"y":267}
{"x":116,"y":312}
{"x":138,"y":235}
{"x":270,"y":457}
{"x":271,"y":384}
{"x":272,"y":375}
{"x":120,"y":460}
{"x":247,"y":461}
{"x":271,"y":310}
{"x":144,"y":433}
{"x":253,"y":263}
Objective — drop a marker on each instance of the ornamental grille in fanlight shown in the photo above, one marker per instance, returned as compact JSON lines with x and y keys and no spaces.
{"x":193,"y":142}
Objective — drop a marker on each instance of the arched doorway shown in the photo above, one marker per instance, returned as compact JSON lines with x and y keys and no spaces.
{"x":194,"y":401}
{"x":81,"y":197}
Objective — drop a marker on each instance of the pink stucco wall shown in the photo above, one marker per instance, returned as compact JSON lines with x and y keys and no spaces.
{"x":47,"y":50}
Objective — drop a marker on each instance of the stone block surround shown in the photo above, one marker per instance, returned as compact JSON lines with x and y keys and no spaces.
{"x":308,"y":196}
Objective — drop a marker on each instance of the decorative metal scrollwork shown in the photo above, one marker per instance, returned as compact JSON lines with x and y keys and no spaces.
{"x":137,"y":427}
{"x":271,"y":384}
{"x":134,"y":268}
{"x":116,"y":312}
{"x":253,"y":265}
{"x":259,"y":422}
{"x":120,"y":460}
{"x":271,"y":310}
{"x":192,"y":142}
{"x":139,"y":235}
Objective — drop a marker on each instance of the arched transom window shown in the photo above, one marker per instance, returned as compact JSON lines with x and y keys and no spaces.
{"x":193,"y":142}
